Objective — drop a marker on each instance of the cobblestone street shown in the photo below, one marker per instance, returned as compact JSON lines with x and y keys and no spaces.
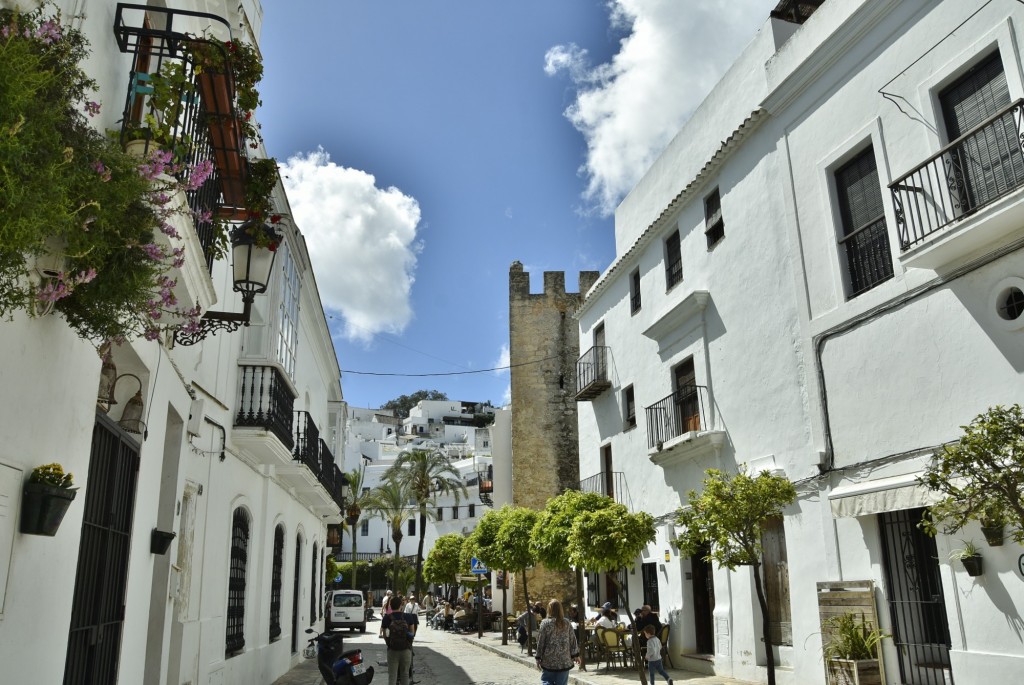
{"x":448,"y":659}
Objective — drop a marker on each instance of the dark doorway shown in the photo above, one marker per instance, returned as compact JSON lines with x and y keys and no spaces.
{"x":687,"y":409}
{"x":703,"y":601}
{"x":609,"y":471}
{"x":97,"y":611}
{"x":650,"y":578}
{"x":916,"y":607}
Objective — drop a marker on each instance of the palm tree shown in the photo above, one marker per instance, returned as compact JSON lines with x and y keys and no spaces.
{"x":391,"y":500}
{"x":428,"y":474}
{"x":357,"y":503}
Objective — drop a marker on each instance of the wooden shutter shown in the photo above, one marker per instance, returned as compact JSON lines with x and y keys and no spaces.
{"x":776,"y":581}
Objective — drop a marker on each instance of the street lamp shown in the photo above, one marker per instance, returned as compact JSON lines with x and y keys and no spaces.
{"x":253,"y":248}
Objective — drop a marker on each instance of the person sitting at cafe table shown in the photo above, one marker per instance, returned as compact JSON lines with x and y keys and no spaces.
{"x":646,"y":617}
{"x":606,"y":620}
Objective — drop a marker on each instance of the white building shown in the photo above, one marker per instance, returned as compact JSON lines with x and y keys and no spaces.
{"x":797,"y":289}
{"x":478,"y":452}
{"x":233,"y":455}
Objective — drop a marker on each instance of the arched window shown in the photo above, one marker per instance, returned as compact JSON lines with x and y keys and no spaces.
{"x":235,"y":638}
{"x":312,"y":586}
{"x":275,"y":584}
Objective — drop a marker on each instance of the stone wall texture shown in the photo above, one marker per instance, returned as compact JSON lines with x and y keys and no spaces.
{"x":543,"y":351}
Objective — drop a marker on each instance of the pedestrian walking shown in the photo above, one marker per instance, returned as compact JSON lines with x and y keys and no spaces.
{"x":654,"y":656}
{"x":557,"y":650}
{"x":399,"y":629}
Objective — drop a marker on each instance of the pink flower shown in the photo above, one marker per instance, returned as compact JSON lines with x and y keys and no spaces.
{"x":200,"y":172}
{"x":49,"y":32}
{"x":92,"y":108}
{"x":153,"y":251}
{"x":103,"y":171}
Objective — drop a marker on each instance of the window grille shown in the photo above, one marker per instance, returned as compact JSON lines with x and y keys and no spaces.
{"x":364,"y":528}
{"x":455,"y":513}
{"x":288,"y":312}
{"x":275,"y":584}
{"x":714,"y":225}
{"x":312,"y":587}
{"x":630,"y":407}
{"x":634,"y":292}
{"x":865,"y":239}
{"x":673,"y":260}
{"x":235,"y":639}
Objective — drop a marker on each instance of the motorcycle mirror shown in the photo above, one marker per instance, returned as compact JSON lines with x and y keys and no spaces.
{"x":309,"y":630}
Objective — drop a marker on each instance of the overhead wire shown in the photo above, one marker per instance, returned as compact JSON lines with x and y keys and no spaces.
{"x":448,"y":373}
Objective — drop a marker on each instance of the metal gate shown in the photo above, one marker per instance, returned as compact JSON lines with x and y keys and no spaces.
{"x":650,"y":578}
{"x":914,"y":588}
{"x":97,"y":612}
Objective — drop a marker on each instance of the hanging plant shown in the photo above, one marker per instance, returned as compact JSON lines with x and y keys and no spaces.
{"x":65,"y":183}
{"x":243,"y":62}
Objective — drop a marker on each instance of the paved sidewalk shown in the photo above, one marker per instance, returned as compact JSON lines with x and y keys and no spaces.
{"x":593,"y":675}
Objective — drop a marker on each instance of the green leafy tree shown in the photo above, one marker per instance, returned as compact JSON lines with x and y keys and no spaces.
{"x":390,"y":501}
{"x":427,"y":474}
{"x":403,"y":403}
{"x":607,"y":540}
{"x":444,"y":562}
{"x":551,"y":536}
{"x":728,"y":517}
{"x":982,"y":476}
{"x":502,"y":539}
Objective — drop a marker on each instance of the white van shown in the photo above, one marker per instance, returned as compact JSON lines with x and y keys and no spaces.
{"x":345,"y":609}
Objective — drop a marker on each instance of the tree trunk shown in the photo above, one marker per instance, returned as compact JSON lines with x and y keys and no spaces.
{"x":529,"y":617}
{"x":397,"y":538}
{"x":419,"y":553}
{"x":504,"y":608}
{"x":581,"y":616}
{"x":637,"y":659}
{"x":354,"y":558}
{"x":762,"y":600}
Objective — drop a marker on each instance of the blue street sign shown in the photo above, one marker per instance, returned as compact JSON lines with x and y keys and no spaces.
{"x":477,"y":566}
{"x":337,"y":578}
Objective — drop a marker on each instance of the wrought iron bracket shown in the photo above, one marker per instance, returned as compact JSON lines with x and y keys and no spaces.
{"x":214,"y":322}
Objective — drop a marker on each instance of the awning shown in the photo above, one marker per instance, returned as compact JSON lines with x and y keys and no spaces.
{"x":880,"y":495}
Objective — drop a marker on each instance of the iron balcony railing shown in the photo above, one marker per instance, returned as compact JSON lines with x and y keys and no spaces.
{"x":162,"y":55}
{"x":265,"y":401}
{"x":609,"y":483}
{"x":328,"y":469}
{"x":973,"y":171}
{"x":684,"y":411}
{"x":592,"y":373}
{"x":307,"y":441}
{"x":338,"y":489}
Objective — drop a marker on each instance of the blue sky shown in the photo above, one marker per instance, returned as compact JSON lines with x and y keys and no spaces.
{"x":427,"y":144}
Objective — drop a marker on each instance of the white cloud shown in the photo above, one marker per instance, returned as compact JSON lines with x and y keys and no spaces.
{"x":504,"y":359}
{"x":630,"y":108}
{"x":362,"y":242}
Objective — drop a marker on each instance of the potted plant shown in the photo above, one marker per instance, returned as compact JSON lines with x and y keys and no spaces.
{"x":45,"y":499}
{"x":969,"y":556}
{"x":851,"y":650}
{"x":993,"y":523}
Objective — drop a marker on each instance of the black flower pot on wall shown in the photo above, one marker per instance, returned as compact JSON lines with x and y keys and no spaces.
{"x":972,"y":565}
{"x":160,"y":541}
{"x":43,"y":507}
{"x":993,"y":535}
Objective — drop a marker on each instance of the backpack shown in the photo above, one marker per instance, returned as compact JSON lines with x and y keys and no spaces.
{"x":399,"y":634}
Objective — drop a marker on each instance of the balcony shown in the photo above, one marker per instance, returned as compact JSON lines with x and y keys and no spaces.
{"x":263,"y":424}
{"x":963,"y":198}
{"x":592,"y":373}
{"x":486,"y":489}
{"x":681,"y":426}
{"x":609,"y":483}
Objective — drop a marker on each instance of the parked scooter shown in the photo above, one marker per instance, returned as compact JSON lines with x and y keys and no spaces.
{"x":337,"y":667}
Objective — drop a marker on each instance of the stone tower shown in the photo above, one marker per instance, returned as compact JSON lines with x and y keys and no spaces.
{"x":544,"y":347}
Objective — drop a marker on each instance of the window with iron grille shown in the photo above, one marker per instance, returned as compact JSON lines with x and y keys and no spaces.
{"x":472,"y":510}
{"x":275,"y":584}
{"x":235,"y":638}
{"x":288,"y":312}
{"x":865,"y":239}
{"x":364,"y":528}
{"x":629,"y":407}
{"x":673,"y":260}
{"x":312,"y":587}
{"x":455,"y":513}
{"x":714,"y":225}
{"x":440,"y":513}
{"x":412,"y":526}
{"x":320,"y":577}
{"x":634,"y":292}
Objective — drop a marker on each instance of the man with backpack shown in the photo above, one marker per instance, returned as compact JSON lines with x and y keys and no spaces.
{"x":399,"y":629}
